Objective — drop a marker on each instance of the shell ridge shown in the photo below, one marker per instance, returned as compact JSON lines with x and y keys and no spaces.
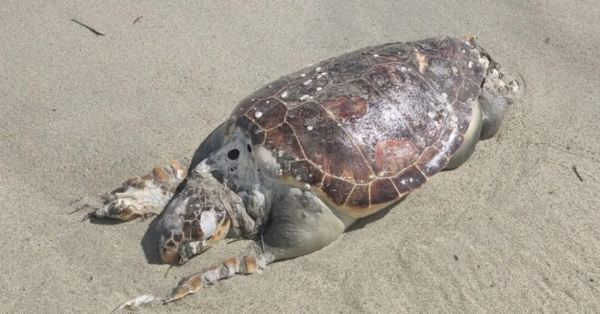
{"x":349,"y":194}
{"x":297,"y":139}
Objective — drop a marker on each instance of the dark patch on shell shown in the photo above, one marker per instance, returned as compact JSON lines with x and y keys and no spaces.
{"x":344,"y":108}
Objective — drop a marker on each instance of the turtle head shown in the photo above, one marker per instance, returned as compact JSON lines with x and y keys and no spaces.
{"x":194,"y":220}
{"x":234,"y":161}
{"x":199,"y":232}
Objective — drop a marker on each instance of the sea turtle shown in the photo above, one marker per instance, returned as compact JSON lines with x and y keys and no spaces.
{"x":304,"y":157}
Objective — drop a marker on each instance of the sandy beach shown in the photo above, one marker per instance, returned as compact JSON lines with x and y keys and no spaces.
{"x":515,"y":230}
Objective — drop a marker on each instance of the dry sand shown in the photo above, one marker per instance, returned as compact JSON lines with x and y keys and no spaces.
{"x":512,"y":231}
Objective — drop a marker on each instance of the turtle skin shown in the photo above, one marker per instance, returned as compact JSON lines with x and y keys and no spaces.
{"x":364,"y":129}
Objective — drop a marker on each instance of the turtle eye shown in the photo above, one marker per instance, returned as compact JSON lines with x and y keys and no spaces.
{"x":233,"y":154}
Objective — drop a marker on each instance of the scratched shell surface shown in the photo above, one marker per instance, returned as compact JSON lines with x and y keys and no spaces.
{"x":366,"y":128}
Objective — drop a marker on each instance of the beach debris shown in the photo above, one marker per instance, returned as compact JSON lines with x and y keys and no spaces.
{"x":97,"y":33}
{"x":138,"y":19}
{"x":138,"y":302}
{"x":577,"y":173}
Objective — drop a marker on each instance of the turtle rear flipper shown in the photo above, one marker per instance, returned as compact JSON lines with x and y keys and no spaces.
{"x":497,"y":94}
{"x":139,"y":196}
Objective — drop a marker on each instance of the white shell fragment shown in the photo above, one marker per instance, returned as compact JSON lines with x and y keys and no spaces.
{"x":140,"y":301}
{"x":258,"y":114}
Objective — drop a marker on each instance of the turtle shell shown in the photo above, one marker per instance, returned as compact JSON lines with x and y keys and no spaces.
{"x":366,"y":128}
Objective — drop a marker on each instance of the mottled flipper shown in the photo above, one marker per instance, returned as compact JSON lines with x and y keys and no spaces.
{"x":139,"y":196}
{"x":244,"y":265}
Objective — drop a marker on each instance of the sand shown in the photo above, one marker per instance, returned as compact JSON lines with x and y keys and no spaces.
{"x":512,"y":231}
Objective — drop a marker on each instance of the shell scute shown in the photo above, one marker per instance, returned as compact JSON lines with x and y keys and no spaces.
{"x":257,"y":134}
{"x":393,"y":156}
{"x":408,"y":180}
{"x":360,"y":197}
{"x":326,"y":144}
{"x":470,"y":90}
{"x":347,"y":69}
{"x":268,"y":113}
{"x":390,"y":53}
{"x":336,"y":189}
{"x":308,"y":172}
{"x":432,"y":161}
{"x":344,"y":108}
{"x":449,"y":142}
{"x":359,"y":89}
{"x":382,"y":191}
{"x":389,"y":78}
{"x":445,"y":77}
{"x":283,"y":143}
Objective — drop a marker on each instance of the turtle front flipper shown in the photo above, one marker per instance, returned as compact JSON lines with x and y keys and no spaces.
{"x":244,"y":265}
{"x":139,"y":196}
